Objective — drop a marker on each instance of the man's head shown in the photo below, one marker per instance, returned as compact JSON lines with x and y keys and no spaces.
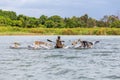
{"x":58,"y":37}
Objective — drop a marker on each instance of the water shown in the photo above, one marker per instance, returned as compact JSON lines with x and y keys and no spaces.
{"x":99,"y":63}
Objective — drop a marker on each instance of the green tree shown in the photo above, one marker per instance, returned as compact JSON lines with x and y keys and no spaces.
{"x":2,"y":20}
{"x":91,"y":22}
{"x":8,"y":14}
{"x":116,"y":24}
{"x":49,"y":24}
{"x":84,"y":20}
{"x":100,"y":23}
{"x":43,"y":19}
{"x":70,"y":23}
{"x":56,"y":18}
{"x":24,"y":20}
{"x":32,"y":22}
{"x":58,"y":21}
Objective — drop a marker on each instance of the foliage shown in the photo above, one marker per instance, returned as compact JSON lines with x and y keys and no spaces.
{"x":8,"y":14}
{"x":83,"y":25}
{"x":9,"y":18}
{"x":115,"y":24}
{"x":59,"y":31}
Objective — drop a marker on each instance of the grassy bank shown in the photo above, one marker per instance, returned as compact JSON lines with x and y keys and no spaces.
{"x":58,"y":31}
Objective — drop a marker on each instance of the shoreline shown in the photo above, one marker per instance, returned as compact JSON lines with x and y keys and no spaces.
{"x":33,"y":34}
{"x":15,"y":31}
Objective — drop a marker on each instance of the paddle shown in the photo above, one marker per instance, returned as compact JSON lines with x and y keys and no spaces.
{"x":50,"y":40}
{"x":53,"y":41}
{"x":62,"y":41}
{"x":97,"y":42}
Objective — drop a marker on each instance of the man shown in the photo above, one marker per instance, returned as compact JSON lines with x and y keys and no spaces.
{"x":59,"y":43}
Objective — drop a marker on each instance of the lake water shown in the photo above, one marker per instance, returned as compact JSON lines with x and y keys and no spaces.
{"x":102,"y":62}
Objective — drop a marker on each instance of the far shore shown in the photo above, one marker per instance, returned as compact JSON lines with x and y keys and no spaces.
{"x":37,"y":34}
{"x":28,"y":34}
{"x":16,"y":31}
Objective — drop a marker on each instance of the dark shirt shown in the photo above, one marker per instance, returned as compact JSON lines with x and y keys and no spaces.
{"x":59,"y":44}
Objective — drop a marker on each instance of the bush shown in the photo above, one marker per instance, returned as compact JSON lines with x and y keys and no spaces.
{"x":68,"y":32}
{"x":35,"y":30}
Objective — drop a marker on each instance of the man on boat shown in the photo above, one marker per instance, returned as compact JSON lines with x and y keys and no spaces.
{"x":59,"y":43}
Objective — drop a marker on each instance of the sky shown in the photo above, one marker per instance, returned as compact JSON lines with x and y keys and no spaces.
{"x":64,"y":8}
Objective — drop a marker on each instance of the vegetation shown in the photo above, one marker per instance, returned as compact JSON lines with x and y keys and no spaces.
{"x":58,"y":31}
{"x":11,"y":23}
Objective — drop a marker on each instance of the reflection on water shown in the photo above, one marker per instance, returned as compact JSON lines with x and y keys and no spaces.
{"x":99,"y":63}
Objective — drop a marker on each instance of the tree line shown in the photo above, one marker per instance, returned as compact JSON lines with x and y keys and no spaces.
{"x":10,"y":18}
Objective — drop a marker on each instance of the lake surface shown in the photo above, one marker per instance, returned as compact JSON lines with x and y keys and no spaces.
{"x":102,"y":62}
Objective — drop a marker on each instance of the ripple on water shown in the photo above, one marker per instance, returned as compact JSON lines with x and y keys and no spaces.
{"x":83,"y":78}
{"x":113,"y":77}
{"x":99,"y":63}
{"x":54,"y":56}
{"x":62,"y":72}
{"x":103,"y":53}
